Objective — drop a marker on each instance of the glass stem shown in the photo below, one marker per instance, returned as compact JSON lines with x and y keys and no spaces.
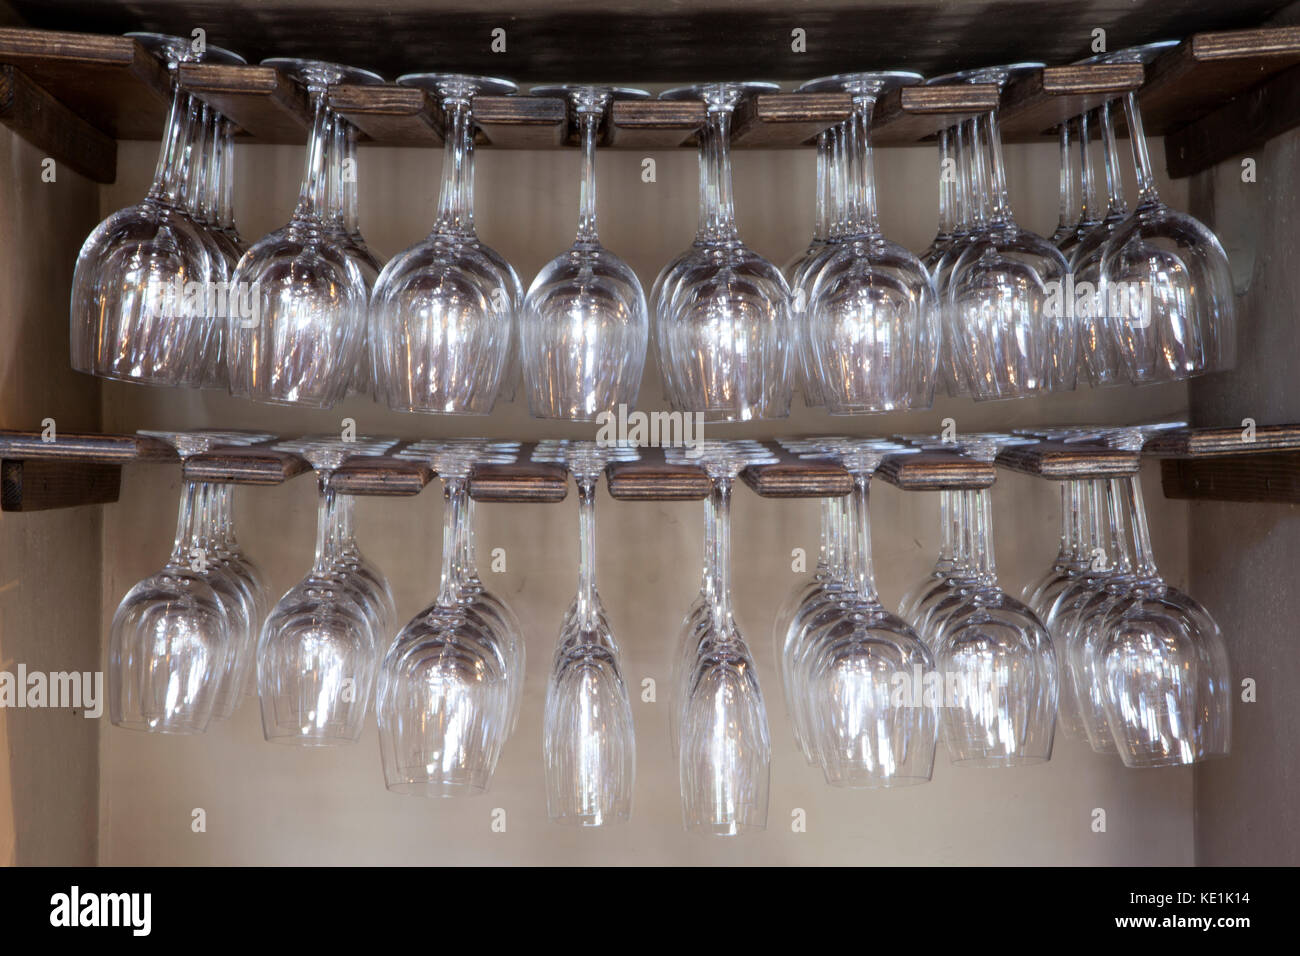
{"x":1087,"y":180}
{"x":821,"y":227}
{"x":326,"y":524}
{"x":1146,"y":180}
{"x":724,"y":216}
{"x":1143,"y":554}
{"x":1068,"y":200}
{"x":1119,"y":545}
{"x":986,"y":563}
{"x":184,"y":540}
{"x":1110,"y":153}
{"x":163,"y":186}
{"x":947,"y":184}
{"x":866,"y":219}
{"x":451,"y":529}
{"x":452,"y":217}
{"x":589,"y":122}
{"x":312,"y":195}
{"x":587,"y":550}
{"x":1000,"y":211}
{"x":864,"y":570}
{"x":720,"y":501}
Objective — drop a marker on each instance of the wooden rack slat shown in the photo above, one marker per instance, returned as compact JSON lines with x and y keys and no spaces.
{"x":654,"y":478}
{"x":907,"y":115}
{"x":390,"y":115}
{"x":1036,"y":105}
{"x":264,"y":103}
{"x":111,"y":82}
{"x":522,"y":122}
{"x":1209,"y":69}
{"x":245,"y":465}
{"x":796,"y":477}
{"x":1063,"y":461}
{"x":42,"y":484}
{"x":1218,"y":442}
{"x":51,"y":127}
{"x":935,"y":470}
{"x":654,"y":124}
{"x":787,"y":120}
{"x":84,"y":447}
{"x":523,"y":481}
{"x":381,"y":475}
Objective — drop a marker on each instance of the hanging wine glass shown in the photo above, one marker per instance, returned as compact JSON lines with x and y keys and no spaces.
{"x":585,"y":324}
{"x":1007,"y":339}
{"x":443,"y":311}
{"x":725,"y":318}
{"x":135,"y":315}
{"x":872,"y":310}
{"x":724,"y":751}
{"x":588,"y":740}
{"x":1184,"y":320}
{"x":300,"y":344}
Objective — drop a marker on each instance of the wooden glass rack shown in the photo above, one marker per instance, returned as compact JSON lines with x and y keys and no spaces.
{"x":74,"y":94}
{"x":1227,"y":464}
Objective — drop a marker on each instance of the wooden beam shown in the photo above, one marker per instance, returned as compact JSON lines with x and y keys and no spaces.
{"x":522,"y":122}
{"x":54,"y":129}
{"x":111,"y":82}
{"x":41,"y":485}
{"x":1269,"y":477}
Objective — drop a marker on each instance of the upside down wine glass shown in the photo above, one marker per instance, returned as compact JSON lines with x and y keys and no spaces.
{"x":1007,"y":339}
{"x":873,"y":322}
{"x":1186,"y":324}
{"x":301,"y":344}
{"x":724,"y":752}
{"x":443,"y":312}
{"x":585,"y":324}
{"x":133,"y":314}
{"x":588,"y":740}
{"x":724,"y":312}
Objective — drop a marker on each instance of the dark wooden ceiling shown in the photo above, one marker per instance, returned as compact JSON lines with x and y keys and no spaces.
{"x":663,"y":41}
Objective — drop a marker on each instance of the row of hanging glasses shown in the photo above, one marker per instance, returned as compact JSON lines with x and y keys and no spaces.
{"x":1100,"y":643}
{"x":857,"y":323}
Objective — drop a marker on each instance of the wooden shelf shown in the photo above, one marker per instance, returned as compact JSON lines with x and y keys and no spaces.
{"x":390,"y":114}
{"x":524,"y":481}
{"x":1219,"y":442}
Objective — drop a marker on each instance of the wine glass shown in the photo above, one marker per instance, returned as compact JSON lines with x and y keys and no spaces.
{"x":1184,"y":320}
{"x":724,"y":750}
{"x":132,"y":317}
{"x":865,"y":672}
{"x":444,"y":691}
{"x":170,"y":644}
{"x":725,"y":315}
{"x":443,"y":312}
{"x":873,"y":321}
{"x":1007,"y":340}
{"x":585,"y":324}
{"x":588,"y":740}
{"x":994,"y":650}
{"x":300,"y":344}
{"x":319,"y":649}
